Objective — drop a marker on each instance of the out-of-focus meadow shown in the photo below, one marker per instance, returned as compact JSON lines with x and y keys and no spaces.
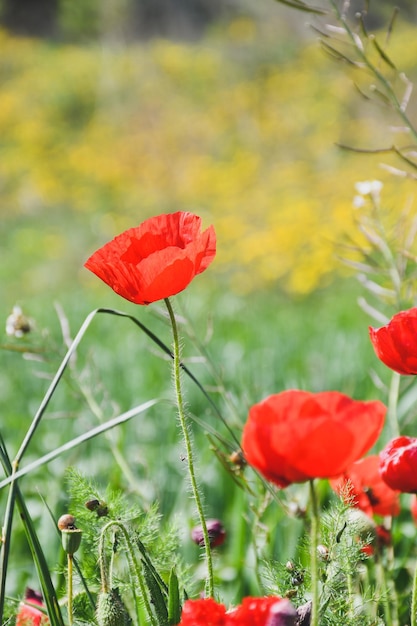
{"x":239,"y":127}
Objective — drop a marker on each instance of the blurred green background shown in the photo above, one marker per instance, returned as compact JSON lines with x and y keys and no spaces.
{"x":113,"y":112}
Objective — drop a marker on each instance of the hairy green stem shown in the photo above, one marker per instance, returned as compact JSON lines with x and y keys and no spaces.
{"x":133,"y":565}
{"x":189,"y":451}
{"x":314,"y":540}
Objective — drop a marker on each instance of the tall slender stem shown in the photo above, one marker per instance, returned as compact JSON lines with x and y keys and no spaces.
{"x":189,"y":450}
{"x":393,"y":394}
{"x":413,"y":616}
{"x":70,"y":590}
{"x":314,"y":515}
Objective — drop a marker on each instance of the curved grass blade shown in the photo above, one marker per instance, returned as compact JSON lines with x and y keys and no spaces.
{"x":168,"y":351}
{"x":73,"y":443}
{"x":52,"y":387}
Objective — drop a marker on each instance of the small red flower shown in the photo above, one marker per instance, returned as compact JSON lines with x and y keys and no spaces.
{"x":270,"y":610}
{"x":157,"y":259}
{"x":203,"y":612}
{"x":29,"y":615}
{"x":398,"y":464}
{"x":396,"y":343}
{"x":296,"y":436}
{"x":362,"y":485}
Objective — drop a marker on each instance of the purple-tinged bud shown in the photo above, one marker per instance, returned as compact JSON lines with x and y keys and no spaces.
{"x":215,"y":531}
{"x":283,"y":613}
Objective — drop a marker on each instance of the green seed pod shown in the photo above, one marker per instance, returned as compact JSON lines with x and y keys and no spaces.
{"x":71,"y":540}
{"x":111,"y":610}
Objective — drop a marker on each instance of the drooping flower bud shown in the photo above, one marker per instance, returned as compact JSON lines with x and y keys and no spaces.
{"x":215,"y":530}
{"x":111,"y":610}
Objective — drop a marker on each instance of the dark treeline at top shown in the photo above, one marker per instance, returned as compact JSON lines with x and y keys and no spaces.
{"x":142,"y":19}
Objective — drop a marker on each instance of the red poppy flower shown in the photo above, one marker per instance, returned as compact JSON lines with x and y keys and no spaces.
{"x":252,"y":612}
{"x":396,"y":343}
{"x":28,"y":614}
{"x":295,"y":436}
{"x":203,"y":612}
{"x":157,"y":259}
{"x":398,"y":464}
{"x":262,"y":612}
{"x":362,"y":485}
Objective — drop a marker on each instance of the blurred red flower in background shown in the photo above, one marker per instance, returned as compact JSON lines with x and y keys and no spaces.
{"x":203,"y":612}
{"x":267,"y":611}
{"x":296,"y":436}
{"x":398,"y":464}
{"x":363,"y":487}
{"x":395,"y":343}
{"x":29,"y":615}
{"x":157,"y":259}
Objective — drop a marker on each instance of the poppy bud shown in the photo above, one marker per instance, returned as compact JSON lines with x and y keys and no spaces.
{"x":70,"y":534}
{"x":100,"y":508}
{"x":17,"y":324}
{"x":323,"y":552}
{"x":66,"y":522}
{"x":237,"y":459}
{"x":111,"y":610}
{"x":215,"y":530}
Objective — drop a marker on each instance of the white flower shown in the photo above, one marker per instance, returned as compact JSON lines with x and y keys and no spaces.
{"x":369,"y":187}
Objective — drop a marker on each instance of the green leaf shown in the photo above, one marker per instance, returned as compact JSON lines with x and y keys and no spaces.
{"x":157,"y":598}
{"x":302,"y":6}
{"x":174,"y":604}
